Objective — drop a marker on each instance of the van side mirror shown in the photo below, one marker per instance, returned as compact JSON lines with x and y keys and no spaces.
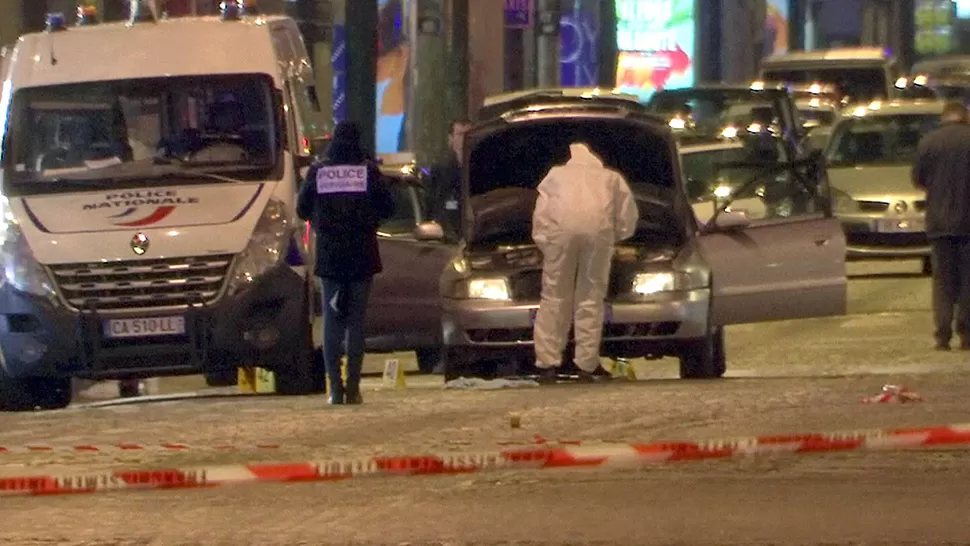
{"x":429,"y":231}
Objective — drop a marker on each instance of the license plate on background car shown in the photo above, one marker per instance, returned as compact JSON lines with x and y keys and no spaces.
{"x":914,"y":225}
{"x":144,"y":327}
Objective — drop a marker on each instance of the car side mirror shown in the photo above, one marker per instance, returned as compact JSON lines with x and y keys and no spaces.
{"x":429,"y":231}
{"x":730,"y":220}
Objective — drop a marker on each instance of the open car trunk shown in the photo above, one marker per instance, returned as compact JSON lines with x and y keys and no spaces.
{"x":507,"y":161}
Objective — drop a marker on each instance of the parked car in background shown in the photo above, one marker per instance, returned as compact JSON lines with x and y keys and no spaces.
{"x":858,"y":73}
{"x":870,"y":157}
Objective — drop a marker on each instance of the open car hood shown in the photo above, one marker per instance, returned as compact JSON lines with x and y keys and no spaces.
{"x":508,"y":158}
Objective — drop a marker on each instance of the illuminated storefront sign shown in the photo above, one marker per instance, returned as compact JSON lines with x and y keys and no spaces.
{"x":776,"y":27}
{"x":656,"y":43}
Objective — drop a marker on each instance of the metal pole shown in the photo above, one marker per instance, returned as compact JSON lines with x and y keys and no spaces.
{"x":607,"y":53}
{"x":360,"y":18}
{"x":548,"y":14}
{"x":460,"y":60}
{"x":429,"y":83}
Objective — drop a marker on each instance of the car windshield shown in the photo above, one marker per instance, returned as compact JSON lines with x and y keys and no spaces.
{"x":708,"y":172}
{"x":879,"y":139}
{"x":857,"y":83}
{"x":100,"y":131}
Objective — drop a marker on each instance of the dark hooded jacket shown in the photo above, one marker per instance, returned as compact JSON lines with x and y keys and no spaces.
{"x":942,"y":168}
{"x":346,"y":223}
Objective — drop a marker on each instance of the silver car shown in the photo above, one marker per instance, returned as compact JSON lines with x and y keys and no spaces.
{"x":870,"y":157}
{"x":675,"y":284}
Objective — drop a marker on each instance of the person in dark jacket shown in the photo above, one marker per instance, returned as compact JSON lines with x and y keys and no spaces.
{"x":942,"y":168}
{"x":345,"y":199}
{"x":444,"y":197}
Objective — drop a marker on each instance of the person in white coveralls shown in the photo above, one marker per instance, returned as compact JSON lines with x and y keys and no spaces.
{"x":583,"y":209}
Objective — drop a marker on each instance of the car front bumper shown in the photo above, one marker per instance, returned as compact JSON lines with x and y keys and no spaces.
{"x":39,"y":338}
{"x":865,"y":240}
{"x":632,"y":329}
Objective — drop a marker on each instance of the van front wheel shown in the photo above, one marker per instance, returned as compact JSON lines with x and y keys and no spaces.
{"x":302,"y":373}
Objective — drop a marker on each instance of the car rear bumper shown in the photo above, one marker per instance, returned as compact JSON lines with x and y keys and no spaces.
{"x":633,"y":329}
{"x":38,"y":338}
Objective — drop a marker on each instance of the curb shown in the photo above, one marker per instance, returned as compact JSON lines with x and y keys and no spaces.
{"x":628,"y":456}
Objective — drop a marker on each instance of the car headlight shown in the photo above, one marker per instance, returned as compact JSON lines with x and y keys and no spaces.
{"x":645,"y":284}
{"x":843,"y":202}
{"x":20,"y":269}
{"x":267,"y":246}
{"x":486,"y":289}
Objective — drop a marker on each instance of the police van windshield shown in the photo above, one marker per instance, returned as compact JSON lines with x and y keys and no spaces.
{"x":879,"y":139}
{"x":856,"y":83}
{"x":102,"y":131}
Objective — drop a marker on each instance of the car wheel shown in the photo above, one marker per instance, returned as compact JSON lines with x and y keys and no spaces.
{"x":303,"y":373}
{"x":226,"y":377}
{"x":129,"y":388}
{"x":428,"y":359}
{"x":704,"y":358}
{"x":927,"y":266}
{"x":30,"y":393}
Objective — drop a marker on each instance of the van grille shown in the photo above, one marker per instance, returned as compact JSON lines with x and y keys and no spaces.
{"x":142,"y":284}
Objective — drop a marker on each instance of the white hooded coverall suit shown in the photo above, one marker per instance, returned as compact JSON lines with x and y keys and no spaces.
{"x":582,"y":211}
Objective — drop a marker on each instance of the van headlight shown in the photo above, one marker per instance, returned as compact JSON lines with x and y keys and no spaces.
{"x":21,"y":270}
{"x":266,"y":248}
{"x":496,"y":289}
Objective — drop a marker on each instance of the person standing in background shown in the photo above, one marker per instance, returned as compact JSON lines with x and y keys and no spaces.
{"x":345,"y":198}
{"x":444,"y":197}
{"x":942,"y":168}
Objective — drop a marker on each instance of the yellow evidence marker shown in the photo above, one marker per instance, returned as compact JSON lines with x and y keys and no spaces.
{"x":256,"y":380}
{"x":623,"y":369}
{"x":393,"y":374}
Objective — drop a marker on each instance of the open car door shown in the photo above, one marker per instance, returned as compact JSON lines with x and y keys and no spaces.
{"x":404,"y":308}
{"x":786,"y":260}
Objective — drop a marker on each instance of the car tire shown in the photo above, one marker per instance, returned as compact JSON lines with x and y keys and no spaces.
{"x":129,"y":388}
{"x":927,"y":269}
{"x":303,"y":373}
{"x":30,"y":393}
{"x":428,"y":359}
{"x":704,"y":358}
{"x":226,"y":377}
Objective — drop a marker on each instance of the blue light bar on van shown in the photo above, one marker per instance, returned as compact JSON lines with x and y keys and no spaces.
{"x":56,"y":22}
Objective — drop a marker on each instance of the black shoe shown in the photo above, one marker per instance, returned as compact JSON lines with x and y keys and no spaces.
{"x":943,"y":347}
{"x":599,"y":375}
{"x":547,"y":376}
{"x":336,"y":399}
{"x":353,"y":397}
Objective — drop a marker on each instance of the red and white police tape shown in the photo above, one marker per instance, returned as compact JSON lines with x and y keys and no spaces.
{"x":540,"y":457}
{"x":126,"y":447}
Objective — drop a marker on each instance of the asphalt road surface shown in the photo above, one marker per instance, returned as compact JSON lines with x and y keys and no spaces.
{"x":790,"y":377}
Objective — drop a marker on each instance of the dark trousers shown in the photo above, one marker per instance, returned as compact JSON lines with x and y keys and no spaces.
{"x":343,"y":331}
{"x":951,"y":287}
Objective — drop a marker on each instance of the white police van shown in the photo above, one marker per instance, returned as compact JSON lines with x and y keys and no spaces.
{"x":149,"y":180}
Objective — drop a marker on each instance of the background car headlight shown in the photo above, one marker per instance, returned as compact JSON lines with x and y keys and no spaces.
{"x":267,"y":246}
{"x":487,"y":289}
{"x":645,"y":284}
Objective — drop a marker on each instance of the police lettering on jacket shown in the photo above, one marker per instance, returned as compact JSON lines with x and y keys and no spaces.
{"x":342,"y":179}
